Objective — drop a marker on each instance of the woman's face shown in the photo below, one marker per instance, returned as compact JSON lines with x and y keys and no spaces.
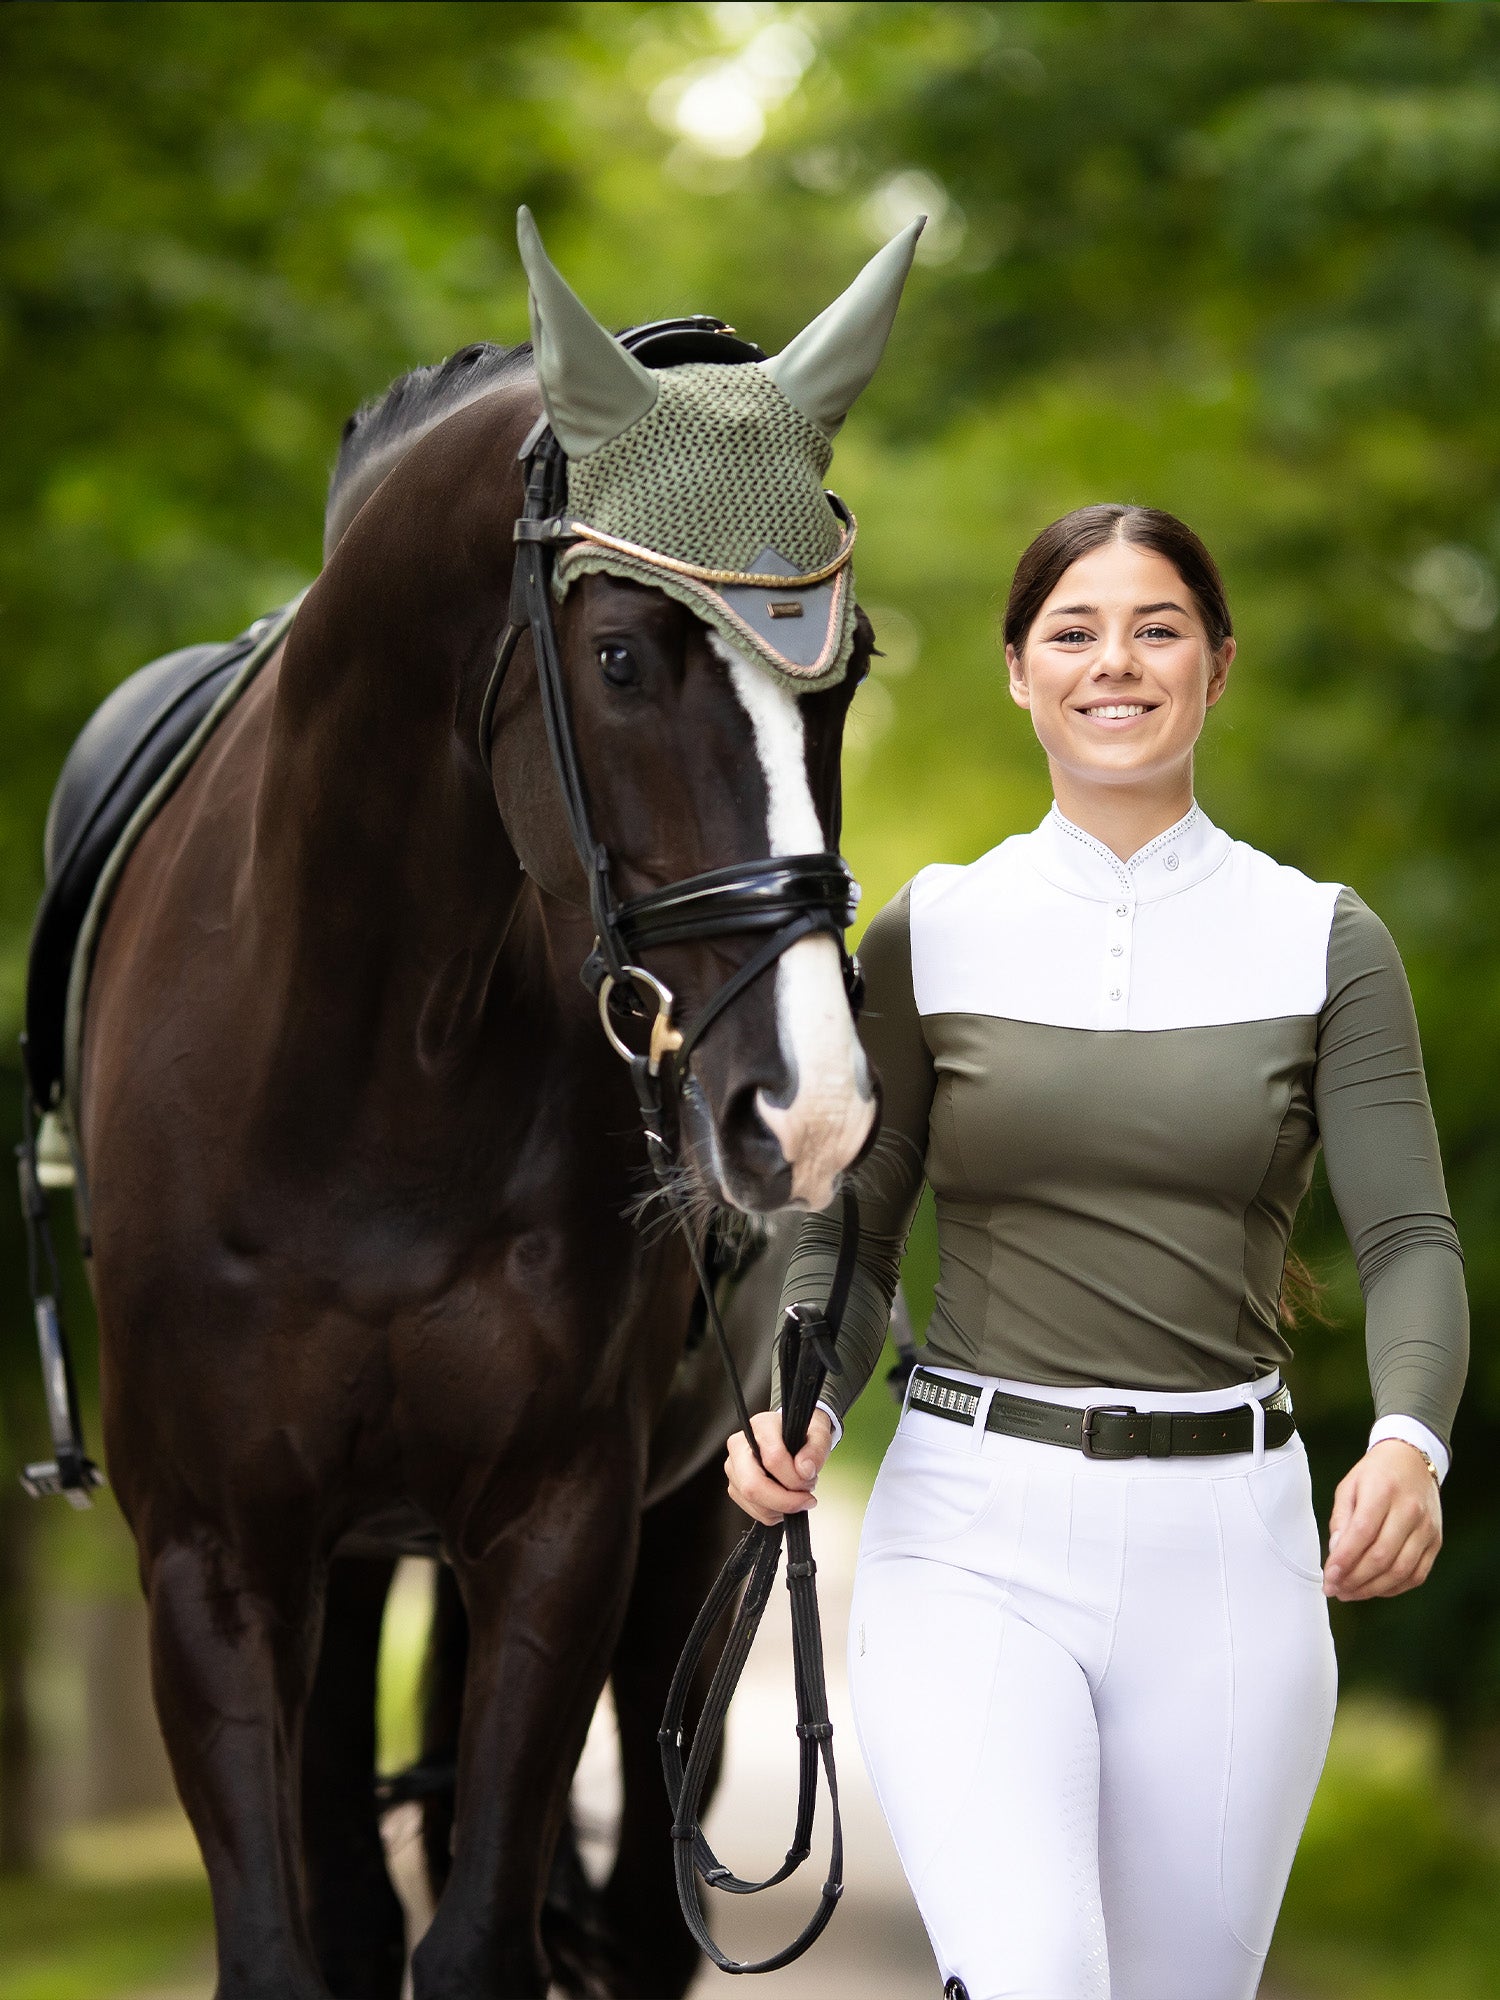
{"x":1117,"y":669}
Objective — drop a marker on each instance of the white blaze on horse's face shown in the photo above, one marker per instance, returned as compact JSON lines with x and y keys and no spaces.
{"x":828,"y":1119}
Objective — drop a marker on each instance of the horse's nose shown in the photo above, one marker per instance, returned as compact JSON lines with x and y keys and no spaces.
{"x":756,"y":1168}
{"x":820,"y":1132}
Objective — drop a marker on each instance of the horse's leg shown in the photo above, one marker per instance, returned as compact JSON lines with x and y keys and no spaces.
{"x":569,"y":1893}
{"x":355,"y":1916}
{"x":544,"y":1599}
{"x":442,"y":1711}
{"x":684,"y":1541}
{"x":234,"y":1638}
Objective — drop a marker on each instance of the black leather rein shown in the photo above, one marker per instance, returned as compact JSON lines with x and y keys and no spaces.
{"x":781,"y":899}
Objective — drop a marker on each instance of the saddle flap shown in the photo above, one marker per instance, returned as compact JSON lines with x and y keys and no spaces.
{"x":122,"y":753}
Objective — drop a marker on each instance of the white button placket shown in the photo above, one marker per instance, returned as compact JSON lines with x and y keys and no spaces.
{"x":1119,"y":936}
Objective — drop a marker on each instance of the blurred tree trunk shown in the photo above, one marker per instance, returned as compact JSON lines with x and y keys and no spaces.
{"x":19,"y":1835}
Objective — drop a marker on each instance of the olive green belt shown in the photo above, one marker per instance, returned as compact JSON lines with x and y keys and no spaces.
{"x":1107,"y":1430}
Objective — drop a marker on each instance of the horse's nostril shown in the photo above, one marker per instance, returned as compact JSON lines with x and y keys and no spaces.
{"x":748,"y":1143}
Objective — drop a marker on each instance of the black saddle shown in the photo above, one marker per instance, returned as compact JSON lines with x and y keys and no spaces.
{"x":123,"y":748}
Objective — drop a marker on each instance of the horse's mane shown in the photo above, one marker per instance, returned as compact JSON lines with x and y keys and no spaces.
{"x":382,"y":431}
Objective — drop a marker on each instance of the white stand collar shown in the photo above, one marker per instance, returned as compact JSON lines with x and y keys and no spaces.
{"x":1070,"y":859}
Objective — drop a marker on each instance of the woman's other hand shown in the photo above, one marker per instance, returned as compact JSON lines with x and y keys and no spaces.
{"x":783,"y":1487}
{"x":1386,"y":1526}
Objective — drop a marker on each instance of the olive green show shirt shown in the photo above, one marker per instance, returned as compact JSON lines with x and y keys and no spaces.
{"x":1116,"y":1076}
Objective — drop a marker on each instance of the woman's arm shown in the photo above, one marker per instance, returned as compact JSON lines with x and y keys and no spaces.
{"x":888,"y":1183}
{"x":1386,"y":1174}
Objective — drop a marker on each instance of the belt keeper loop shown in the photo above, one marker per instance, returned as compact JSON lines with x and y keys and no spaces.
{"x":1159,"y":1444}
{"x":1258,"y":1426}
{"x":981,"y":1418}
{"x":911,"y":1377}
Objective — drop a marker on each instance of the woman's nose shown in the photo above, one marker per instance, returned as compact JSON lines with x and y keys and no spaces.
{"x":1114,"y":656}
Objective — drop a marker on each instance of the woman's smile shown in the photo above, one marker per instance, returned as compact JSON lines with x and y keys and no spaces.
{"x":1116,"y":715}
{"x":1118,"y":670}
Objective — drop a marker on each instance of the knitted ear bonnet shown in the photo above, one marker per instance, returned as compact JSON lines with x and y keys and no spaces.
{"x":705,"y":480}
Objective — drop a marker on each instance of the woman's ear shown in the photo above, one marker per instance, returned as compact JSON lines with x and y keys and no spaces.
{"x":1218,"y":672}
{"x":1020,"y":687}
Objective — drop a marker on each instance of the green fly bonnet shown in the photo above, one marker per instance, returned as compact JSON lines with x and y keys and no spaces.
{"x":705,"y":480}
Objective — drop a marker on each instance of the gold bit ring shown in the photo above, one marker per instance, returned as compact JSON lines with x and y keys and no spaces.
{"x":665,"y":1039}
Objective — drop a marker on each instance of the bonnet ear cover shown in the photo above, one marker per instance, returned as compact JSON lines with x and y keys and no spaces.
{"x":828,"y":366}
{"x":705,"y":480}
{"x":592,"y":388}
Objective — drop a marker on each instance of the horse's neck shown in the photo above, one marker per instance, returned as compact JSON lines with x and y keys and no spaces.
{"x":385,"y":887}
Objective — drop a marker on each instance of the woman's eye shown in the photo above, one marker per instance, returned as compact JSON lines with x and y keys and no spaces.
{"x":1158,"y":632}
{"x":618,"y":666}
{"x":1072,"y":637}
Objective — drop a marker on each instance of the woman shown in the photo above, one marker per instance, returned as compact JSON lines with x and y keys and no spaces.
{"x":1089,"y":1647}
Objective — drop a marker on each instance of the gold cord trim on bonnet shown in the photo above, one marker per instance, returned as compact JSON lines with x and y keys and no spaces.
{"x":745,"y":579}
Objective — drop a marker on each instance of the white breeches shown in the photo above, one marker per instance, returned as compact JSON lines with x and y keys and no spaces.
{"x":1094,"y":1698}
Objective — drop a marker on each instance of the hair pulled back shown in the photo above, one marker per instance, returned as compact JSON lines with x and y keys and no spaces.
{"x":1077,"y":534}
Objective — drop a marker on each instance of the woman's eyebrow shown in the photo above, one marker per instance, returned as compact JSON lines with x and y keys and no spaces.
{"x":1092,"y":610}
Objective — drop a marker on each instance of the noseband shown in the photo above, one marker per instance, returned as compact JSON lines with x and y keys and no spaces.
{"x":779,"y":900}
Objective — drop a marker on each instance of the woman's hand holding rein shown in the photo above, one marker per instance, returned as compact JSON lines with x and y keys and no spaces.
{"x":783,"y":1487}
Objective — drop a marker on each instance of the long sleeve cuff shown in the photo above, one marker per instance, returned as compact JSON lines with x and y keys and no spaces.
{"x":830,"y":1412}
{"x":1414,"y":1433}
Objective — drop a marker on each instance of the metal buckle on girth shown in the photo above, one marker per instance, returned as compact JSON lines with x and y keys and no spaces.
{"x":665,"y":1039}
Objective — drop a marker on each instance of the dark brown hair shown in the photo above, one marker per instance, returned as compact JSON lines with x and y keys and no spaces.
{"x":1088,"y":528}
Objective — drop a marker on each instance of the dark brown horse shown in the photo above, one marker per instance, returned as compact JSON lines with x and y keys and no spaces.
{"x":363,"y":1171}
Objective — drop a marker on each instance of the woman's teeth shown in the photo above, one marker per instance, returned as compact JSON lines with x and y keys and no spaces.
{"x":1117,"y":711}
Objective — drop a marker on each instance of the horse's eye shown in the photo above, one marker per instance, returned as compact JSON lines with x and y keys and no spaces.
{"x":618,"y":666}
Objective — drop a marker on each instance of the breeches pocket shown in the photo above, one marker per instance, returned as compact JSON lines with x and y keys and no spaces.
{"x":1279,"y":1502}
{"x":928,"y":1491}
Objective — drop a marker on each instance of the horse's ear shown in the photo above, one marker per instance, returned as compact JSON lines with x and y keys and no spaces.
{"x":824,"y":370}
{"x":591,"y":387}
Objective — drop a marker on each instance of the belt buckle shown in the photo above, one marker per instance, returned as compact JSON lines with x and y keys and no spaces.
{"x":1086,"y":1441}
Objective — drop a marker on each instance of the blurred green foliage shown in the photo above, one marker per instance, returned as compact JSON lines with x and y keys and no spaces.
{"x":1239,"y":261}
{"x":65,"y":1940}
{"x":1394,"y":1890}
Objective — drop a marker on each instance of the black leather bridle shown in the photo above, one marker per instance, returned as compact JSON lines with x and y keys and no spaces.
{"x":785,"y":896}
{"x":780,"y":899}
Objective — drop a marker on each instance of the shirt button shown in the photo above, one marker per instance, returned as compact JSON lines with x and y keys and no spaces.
{"x":1169,"y":861}
{"x":1116,"y":950}
{"x":1114,"y":992}
{"x":1121,"y":911}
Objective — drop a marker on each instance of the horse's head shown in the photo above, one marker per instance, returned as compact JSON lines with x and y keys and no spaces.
{"x":706,"y":697}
